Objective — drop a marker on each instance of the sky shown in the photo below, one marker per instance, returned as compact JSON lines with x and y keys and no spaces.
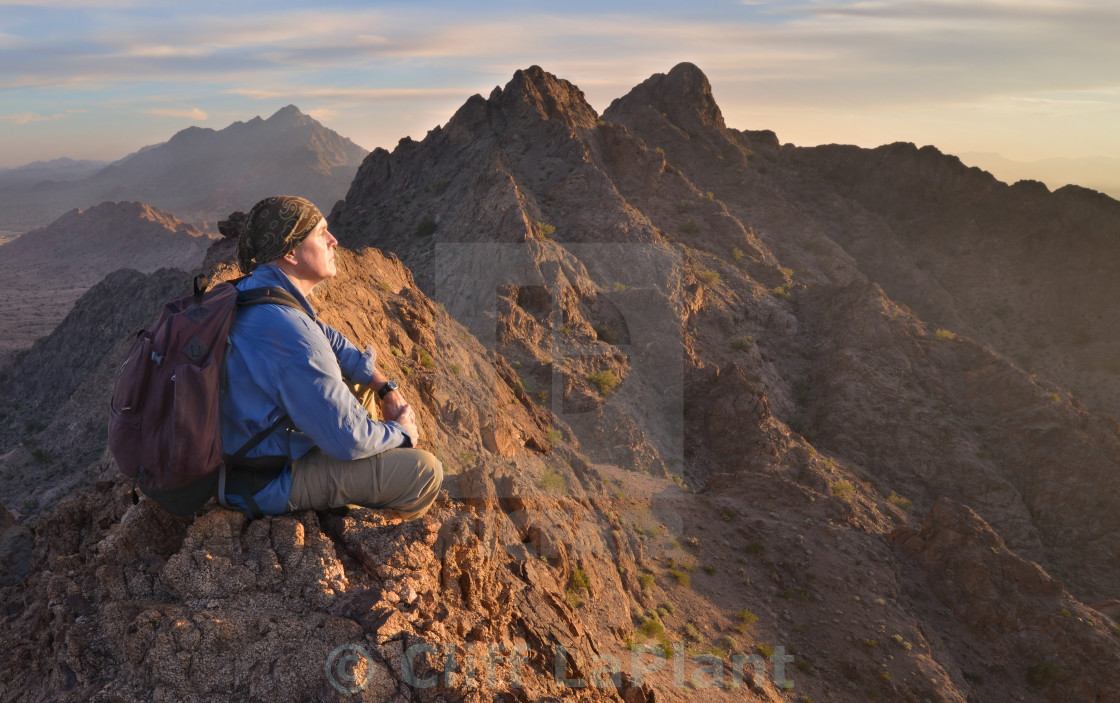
{"x":1025,"y":79}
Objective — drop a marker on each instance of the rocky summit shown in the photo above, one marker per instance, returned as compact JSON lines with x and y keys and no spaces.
{"x":721,"y":418}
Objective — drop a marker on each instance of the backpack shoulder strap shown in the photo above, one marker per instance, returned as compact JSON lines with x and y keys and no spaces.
{"x":269,"y":295}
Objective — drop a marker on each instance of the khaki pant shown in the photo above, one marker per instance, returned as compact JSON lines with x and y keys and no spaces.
{"x":406,"y":480}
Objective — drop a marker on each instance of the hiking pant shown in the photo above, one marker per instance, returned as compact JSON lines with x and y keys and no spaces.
{"x":406,"y":480}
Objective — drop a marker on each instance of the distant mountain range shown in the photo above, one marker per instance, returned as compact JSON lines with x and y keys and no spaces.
{"x":43,"y":272}
{"x":199,"y":175}
{"x":1100,"y":173}
{"x":58,"y":170}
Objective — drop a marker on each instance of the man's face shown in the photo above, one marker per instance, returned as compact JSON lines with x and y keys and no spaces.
{"x":314,"y":257}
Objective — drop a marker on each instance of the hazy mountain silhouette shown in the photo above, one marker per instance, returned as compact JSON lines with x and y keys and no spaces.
{"x":46,"y":270}
{"x":200,"y":175}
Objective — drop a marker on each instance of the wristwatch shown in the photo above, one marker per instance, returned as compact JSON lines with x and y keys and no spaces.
{"x":385,"y":390}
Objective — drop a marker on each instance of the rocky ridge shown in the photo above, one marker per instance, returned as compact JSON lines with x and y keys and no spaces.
{"x":810,"y":466}
{"x":777,"y":317}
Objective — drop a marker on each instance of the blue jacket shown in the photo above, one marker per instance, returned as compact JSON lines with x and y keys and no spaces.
{"x":283,"y":362}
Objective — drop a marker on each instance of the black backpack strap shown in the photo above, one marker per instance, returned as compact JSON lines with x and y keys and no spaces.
{"x":238,"y":457}
{"x":269,"y":295}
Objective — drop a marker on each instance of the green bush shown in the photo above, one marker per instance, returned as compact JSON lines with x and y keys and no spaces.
{"x":579,"y":580}
{"x":552,"y":480}
{"x":426,"y":227}
{"x":901,"y":502}
{"x":606,"y":334}
{"x":604,"y":380}
{"x":1044,"y":673}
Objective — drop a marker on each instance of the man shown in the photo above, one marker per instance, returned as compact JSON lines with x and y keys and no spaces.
{"x":288,"y":379}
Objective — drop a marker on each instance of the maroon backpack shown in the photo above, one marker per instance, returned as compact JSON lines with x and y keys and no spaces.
{"x":164,"y":419}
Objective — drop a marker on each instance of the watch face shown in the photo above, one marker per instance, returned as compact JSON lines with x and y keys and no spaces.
{"x":392,"y":386}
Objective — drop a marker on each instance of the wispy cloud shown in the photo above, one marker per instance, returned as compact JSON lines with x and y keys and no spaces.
{"x":326,"y":93}
{"x":29,"y":117}
{"x":190,"y":113}
{"x":72,"y":4}
{"x":324,"y":114}
{"x":413,"y":64}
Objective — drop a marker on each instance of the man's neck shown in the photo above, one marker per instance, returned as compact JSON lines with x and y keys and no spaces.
{"x":304,"y":287}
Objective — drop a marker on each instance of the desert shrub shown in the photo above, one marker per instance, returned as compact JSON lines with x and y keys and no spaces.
{"x":547,"y":230}
{"x":1043,"y":673}
{"x":945,"y":334}
{"x":896,"y":499}
{"x":579,"y":580}
{"x":804,"y":427}
{"x":690,"y":227}
{"x":552,"y":480}
{"x":709,"y":277}
{"x":426,"y":227}
{"x":843,"y":489}
{"x":604,"y":380}
{"x":606,"y":334}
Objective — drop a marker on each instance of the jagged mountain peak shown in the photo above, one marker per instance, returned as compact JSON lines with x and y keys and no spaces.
{"x":551,"y":97}
{"x":290,"y":116}
{"x":683,"y":96}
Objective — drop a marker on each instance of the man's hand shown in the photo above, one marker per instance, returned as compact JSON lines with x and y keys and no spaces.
{"x":393,"y":404}
{"x":407,"y":420}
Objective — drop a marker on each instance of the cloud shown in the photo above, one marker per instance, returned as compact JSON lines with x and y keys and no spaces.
{"x":296,"y":92}
{"x":29,"y":117}
{"x":192,"y":114}
{"x":324,"y":114}
{"x":72,"y":4}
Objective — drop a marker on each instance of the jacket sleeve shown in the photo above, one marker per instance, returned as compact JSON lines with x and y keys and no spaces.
{"x":313,"y":392}
{"x":356,"y":365}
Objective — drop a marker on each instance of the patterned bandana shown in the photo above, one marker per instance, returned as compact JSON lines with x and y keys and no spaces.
{"x":275,"y":227}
